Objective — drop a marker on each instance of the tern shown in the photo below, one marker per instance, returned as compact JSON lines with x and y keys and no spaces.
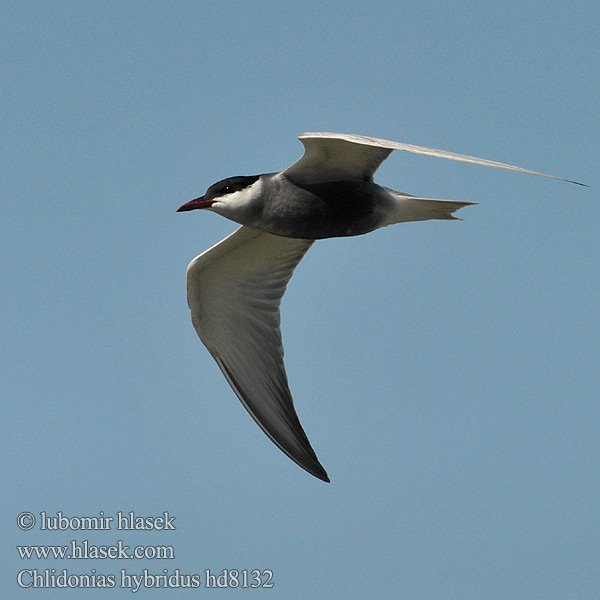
{"x":234,"y":288}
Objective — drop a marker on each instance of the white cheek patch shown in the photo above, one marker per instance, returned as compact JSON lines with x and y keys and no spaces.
{"x":236,"y":205}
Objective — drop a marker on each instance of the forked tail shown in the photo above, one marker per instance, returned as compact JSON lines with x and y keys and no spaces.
{"x":409,"y":208}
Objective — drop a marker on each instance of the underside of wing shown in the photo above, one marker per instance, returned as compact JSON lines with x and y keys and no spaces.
{"x":234,"y":292}
{"x":362,"y":155}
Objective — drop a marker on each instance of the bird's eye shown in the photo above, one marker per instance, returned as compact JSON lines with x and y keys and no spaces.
{"x":227,"y":189}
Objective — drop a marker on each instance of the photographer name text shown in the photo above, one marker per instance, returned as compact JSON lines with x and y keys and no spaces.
{"x":124,"y":522}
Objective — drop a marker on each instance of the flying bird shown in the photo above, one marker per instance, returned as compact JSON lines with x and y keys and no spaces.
{"x":234,"y":289}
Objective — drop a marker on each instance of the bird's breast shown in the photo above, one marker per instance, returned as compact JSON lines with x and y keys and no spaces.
{"x":324,"y":210}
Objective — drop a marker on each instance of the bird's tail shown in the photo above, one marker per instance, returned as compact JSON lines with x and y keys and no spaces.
{"x":441,"y":209}
{"x":410,"y":208}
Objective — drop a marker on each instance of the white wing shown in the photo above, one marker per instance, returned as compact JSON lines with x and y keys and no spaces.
{"x":340,"y":156}
{"x":234,"y":292}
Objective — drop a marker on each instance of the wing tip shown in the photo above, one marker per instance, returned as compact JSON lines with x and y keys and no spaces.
{"x":578,"y":183}
{"x":317,"y":471}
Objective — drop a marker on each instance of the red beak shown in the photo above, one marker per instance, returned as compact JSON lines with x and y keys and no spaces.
{"x":194,"y":204}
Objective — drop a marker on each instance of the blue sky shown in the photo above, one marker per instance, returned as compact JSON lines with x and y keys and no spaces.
{"x":446,"y":373}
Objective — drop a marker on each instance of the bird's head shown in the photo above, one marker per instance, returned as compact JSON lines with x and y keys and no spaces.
{"x":233,"y":197}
